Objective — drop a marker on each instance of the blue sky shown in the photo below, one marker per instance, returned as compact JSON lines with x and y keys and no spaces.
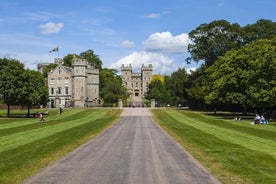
{"x":120,"y":32}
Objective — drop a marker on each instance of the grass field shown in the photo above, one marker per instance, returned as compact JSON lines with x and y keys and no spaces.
{"x":233,"y":151}
{"x":27,"y":144}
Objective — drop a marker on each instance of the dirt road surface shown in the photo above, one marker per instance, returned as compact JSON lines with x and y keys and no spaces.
{"x":134,"y":151}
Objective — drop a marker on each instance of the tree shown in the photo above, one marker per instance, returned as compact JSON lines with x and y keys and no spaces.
{"x":92,"y":58}
{"x":111,"y":87}
{"x":245,"y":77}
{"x":67,"y":60}
{"x":89,"y":55}
{"x":157,"y":90}
{"x":177,"y":85}
{"x":261,"y":29}
{"x":48,"y":68}
{"x":11,"y":83}
{"x":197,"y":81}
{"x":34,"y":90}
{"x":209,"y":41}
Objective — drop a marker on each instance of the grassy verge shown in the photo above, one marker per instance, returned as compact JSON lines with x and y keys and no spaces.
{"x":27,"y":145}
{"x":233,"y":151}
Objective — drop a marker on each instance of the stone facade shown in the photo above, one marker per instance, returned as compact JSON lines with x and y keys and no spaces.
{"x":76,"y":86}
{"x":136,"y":83}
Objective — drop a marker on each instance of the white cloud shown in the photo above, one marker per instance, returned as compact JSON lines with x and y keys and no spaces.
{"x":165,"y":42}
{"x":161,"y":63}
{"x":189,"y":70}
{"x":127,"y":44}
{"x":51,"y":27}
{"x":152,"y":16}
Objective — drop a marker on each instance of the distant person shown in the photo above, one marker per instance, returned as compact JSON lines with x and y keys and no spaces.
{"x":42,"y":118}
{"x":257,"y":119}
{"x":60,"y":110}
{"x":263,"y":120}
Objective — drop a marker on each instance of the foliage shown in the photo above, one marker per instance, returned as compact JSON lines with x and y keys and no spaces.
{"x":19,"y":86}
{"x":111,"y":87}
{"x":35,"y":91}
{"x":261,"y":29}
{"x":48,"y":68}
{"x":245,"y":76}
{"x":92,"y":58}
{"x":11,"y":82}
{"x":177,"y":85}
{"x":89,"y":55}
{"x":67,"y":60}
{"x":197,"y":81}
{"x":212,"y":41}
{"x":209,"y":41}
{"x":158,"y":91}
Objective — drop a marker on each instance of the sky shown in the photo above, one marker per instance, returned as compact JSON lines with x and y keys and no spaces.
{"x":120,"y":32}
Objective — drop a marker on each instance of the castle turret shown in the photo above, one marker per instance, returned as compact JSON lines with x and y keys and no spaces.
{"x":146,"y":76}
{"x":79,"y":82}
{"x":126,"y":74}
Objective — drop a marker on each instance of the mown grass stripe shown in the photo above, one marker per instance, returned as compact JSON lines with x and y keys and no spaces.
{"x":25,"y":137}
{"x":18,"y":122}
{"x":230,"y":162}
{"x":36,"y":123}
{"x":241,"y":126}
{"x":235,"y":137}
{"x":22,"y":161}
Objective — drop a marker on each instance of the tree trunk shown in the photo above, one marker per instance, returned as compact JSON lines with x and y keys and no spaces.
{"x":8,"y":112}
{"x":28,"y":114}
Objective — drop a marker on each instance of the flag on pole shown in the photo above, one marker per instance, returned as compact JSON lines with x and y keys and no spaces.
{"x":54,"y":49}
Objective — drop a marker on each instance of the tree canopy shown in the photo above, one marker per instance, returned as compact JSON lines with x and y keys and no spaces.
{"x":111,"y":87}
{"x":19,"y":86}
{"x":89,"y":55}
{"x":246,"y":76}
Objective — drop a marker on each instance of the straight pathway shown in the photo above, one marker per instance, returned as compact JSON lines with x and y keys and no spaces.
{"x":133,"y":151}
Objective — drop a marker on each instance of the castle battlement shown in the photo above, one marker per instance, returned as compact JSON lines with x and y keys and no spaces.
{"x":79,"y":62}
{"x":126,"y":67}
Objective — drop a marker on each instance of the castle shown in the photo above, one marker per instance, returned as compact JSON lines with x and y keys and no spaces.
{"x":76,"y":86}
{"x":136,"y":83}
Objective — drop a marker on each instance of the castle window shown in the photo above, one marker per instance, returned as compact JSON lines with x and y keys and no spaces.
{"x":52,"y":81}
{"x":59,"y":71}
{"x":59,"y":80}
{"x":67,"y":90}
{"x":59,"y":90}
{"x":52,"y":91}
{"x":66,"y":80}
{"x":136,"y":84}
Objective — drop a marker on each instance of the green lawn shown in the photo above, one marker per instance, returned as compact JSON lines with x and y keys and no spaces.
{"x":233,"y":151}
{"x":27,"y":144}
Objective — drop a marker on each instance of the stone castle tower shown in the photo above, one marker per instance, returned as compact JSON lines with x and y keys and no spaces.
{"x":136,"y":83}
{"x":85,"y":83}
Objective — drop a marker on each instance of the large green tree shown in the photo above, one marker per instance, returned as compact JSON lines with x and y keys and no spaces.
{"x":177,"y":84}
{"x":158,"y":91}
{"x":11,"y":83}
{"x":111,"y":87}
{"x":34,"y":90}
{"x":261,"y":29}
{"x":209,"y":41}
{"x":245,"y":77}
{"x":196,"y":88}
{"x":89,"y":55}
